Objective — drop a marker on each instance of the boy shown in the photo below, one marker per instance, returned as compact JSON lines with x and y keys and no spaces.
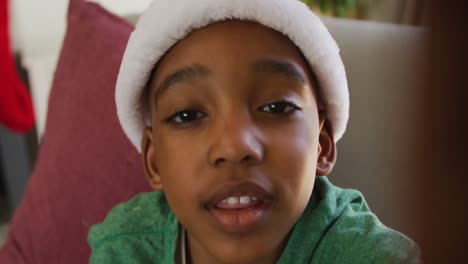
{"x":236,"y":107}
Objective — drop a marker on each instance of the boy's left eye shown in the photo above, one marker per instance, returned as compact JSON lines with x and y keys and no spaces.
{"x":185,"y":116}
{"x":281,"y":107}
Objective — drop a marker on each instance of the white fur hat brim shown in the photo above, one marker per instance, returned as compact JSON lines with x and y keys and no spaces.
{"x":165,"y":22}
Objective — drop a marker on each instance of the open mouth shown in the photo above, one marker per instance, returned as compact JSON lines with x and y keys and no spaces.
{"x":239,"y":208}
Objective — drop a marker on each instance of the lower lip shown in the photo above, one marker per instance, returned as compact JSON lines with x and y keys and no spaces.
{"x":239,"y":220}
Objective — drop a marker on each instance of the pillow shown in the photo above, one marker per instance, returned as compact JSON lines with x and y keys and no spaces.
{"x":86,"y":165}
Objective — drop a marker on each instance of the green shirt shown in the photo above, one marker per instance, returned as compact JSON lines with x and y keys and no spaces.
{"x":336,"y":227}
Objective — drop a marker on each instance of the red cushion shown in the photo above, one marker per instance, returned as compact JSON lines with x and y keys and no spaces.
{"x":86,"y":165}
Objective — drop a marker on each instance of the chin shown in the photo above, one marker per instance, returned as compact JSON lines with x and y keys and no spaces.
{"x":240,"y":253}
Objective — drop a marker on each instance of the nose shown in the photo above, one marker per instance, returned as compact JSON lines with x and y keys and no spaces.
{"x":235,"y":142}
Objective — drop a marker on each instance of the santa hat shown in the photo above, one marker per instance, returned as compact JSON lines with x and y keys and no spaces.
{"x":166,"y":22}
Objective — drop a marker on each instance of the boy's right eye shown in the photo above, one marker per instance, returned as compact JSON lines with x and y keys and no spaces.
{"x":185,"y":116}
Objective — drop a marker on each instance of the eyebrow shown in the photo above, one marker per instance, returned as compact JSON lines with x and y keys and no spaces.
{"x":188,"y":73}
{"x":282,"y":67}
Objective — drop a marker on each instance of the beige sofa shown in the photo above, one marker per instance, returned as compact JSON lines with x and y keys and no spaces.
{"x":384,"y":64}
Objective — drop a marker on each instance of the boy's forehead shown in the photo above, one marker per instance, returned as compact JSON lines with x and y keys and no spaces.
{"x":246,"y":35}
{"x":230,"y":43}
{"x":229,"y":48}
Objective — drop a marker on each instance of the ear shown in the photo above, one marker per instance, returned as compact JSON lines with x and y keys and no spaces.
{"x":148,"y":156}
{"x":327,"y":148}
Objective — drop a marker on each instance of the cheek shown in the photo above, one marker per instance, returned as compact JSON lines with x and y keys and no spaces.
{"x":177,"y":156}
{"x":179,"y":165}
{"x":296,"y":144}
{"x":294,"y":157}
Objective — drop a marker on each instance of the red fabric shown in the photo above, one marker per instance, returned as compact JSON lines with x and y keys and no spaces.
{"x":16,"y":109}
{"x":86,"y":165}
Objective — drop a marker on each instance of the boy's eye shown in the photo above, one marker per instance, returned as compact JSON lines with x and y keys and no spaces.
{"x":281,"y":107}
{"x":185,"y":116}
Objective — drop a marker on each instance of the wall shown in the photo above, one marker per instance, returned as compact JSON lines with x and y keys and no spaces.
{"x":38,"y":26}
{"x":37,"y":29}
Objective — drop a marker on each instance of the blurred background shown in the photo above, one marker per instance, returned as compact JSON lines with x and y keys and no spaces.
{"x":397,"y":53}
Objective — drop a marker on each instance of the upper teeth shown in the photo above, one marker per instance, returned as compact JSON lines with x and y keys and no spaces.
{"x":242,"y":200}
{"x":245,"y":200}
{"x":232,"y":200}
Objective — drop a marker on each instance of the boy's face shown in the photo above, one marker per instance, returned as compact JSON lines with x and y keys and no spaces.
{"x":236,"y":140}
